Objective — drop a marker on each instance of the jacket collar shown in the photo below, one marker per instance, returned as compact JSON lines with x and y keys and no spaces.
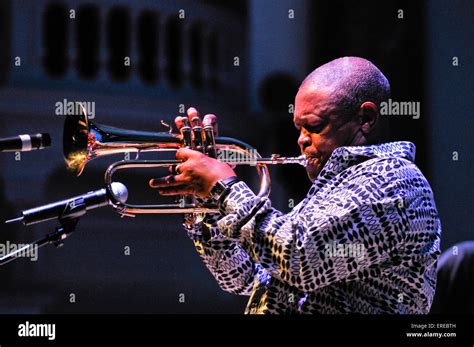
{"x":345,"y":157}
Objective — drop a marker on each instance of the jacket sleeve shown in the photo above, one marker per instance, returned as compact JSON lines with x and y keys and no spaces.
{"x":353,"y":229}
{"x":227,"y":260}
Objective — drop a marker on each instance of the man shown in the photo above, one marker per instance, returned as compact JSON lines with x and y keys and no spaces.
{"x":366,"y":237}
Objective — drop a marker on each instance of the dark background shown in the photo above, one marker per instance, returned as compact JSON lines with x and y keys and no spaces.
{"x":190,"y":62}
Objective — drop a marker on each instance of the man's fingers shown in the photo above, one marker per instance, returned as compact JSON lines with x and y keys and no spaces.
{"x":174,"y":169}
{"x":168,"y":181}
{"x":178,"y":190}
{"x":184,"y":154}
{"x":211,"y":119}
{"x":192,"y":112}
{"x":193,"y":116}
{"x":179,"y":122}
{"x":162,"y":181}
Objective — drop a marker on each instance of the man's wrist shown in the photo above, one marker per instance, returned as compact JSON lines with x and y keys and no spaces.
{"x":221,"y":188}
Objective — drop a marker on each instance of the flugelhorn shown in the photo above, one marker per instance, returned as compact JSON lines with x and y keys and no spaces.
{"x":84,"y":141}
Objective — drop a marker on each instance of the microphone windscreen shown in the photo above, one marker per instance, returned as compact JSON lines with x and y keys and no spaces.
{"x":120,"y":191}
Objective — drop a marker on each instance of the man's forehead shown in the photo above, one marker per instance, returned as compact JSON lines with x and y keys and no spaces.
{"x":312,"y":94}
{"x":312,"y":100}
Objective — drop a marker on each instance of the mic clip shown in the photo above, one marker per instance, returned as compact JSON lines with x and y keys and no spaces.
{"x":66,"y":228}
{"x":68,"y":221}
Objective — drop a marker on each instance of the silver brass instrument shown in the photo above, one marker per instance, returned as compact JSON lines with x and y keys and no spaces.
{"x":83,"y":141}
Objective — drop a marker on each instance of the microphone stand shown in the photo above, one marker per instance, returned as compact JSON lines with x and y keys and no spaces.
{"x":57,"y":237}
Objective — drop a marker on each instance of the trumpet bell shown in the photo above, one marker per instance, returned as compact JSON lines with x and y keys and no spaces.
{"x":75,"y":141}
{"x":83,"y":141}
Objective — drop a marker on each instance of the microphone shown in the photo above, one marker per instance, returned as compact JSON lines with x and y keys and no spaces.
{"x":24,"y":143}
{"x":71,"y":208}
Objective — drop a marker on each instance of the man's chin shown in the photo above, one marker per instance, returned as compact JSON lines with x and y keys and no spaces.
{"x":314,"y":167}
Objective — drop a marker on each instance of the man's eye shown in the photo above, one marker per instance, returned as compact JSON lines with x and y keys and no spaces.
{"x":314,"y":128}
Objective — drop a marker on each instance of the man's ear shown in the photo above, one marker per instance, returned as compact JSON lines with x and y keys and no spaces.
{"x":368,"y":116}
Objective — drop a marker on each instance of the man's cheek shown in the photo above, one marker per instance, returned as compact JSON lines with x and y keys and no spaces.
{"x":315,"y":140}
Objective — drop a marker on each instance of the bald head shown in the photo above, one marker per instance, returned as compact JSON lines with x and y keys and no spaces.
{"x":350,"y":81}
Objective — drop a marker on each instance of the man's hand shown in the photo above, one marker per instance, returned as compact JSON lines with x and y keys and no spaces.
{"x":196,"y":175}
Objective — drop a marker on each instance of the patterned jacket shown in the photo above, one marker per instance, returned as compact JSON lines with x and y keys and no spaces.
{"x":364,"y":240}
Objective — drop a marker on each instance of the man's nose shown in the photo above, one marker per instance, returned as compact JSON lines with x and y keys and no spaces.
{"x":304,"y":140}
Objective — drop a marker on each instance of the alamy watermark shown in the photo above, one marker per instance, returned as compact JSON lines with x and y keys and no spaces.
{"x":28,"y":329}
{"x":19,"y":250}
{"x":400,"y":108}
{"x":344,"y":250}
{"x":66,"y":107}
{"x":231,"y":156}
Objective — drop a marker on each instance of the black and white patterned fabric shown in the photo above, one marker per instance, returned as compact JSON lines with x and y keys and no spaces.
{"x":364,"y":240}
